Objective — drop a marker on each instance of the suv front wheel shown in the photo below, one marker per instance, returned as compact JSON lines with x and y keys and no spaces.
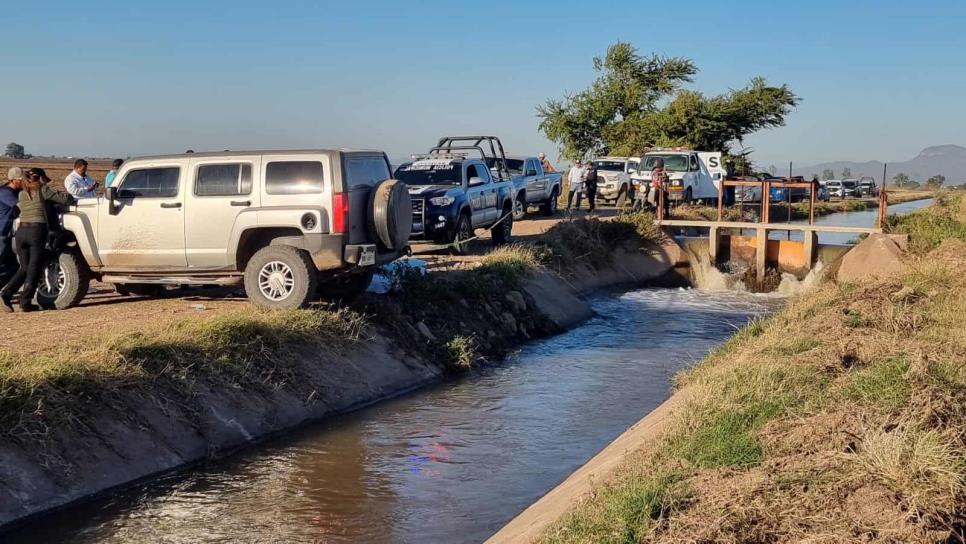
{"x":280,"y":277}
{"x":64,"y":282}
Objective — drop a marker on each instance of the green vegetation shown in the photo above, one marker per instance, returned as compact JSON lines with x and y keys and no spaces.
{"x":798,"y":429}
{"x":251,"y":349}
{"x":934,"y":225}
{"x":462,"y":352}
{"x":637,"y":103}
{"x":592,"y":242}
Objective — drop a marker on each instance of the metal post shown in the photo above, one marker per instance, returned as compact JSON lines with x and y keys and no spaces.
{"x":721,"y":186}
{"x":811,"y":204}
{"x":883,"y":200}
{"x":660,"y":203}
{"x":766,"y":202}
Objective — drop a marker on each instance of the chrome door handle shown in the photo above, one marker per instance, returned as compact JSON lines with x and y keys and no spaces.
{"x":170,"y":204}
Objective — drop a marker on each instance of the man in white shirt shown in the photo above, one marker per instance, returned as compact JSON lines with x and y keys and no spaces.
{"x":78,"y":183}
{"x":575,"y":180}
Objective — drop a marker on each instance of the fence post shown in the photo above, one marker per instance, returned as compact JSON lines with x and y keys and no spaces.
{"x":721,"y":186}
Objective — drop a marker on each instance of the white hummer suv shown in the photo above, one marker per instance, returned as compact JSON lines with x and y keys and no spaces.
{"x":285,"y":224}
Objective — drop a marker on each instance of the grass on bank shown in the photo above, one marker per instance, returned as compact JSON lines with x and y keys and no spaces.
{"x":812,"y":426}
{"x":241,"y":349}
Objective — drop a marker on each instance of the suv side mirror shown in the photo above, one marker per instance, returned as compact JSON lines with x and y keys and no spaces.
{"x":530,"y":173}
{"x":112,"y":207}
{"x":476,"y":181}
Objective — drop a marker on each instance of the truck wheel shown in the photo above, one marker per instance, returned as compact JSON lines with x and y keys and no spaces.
{"x":346,"y":287}
{"x":621,"y":197}
{"x":280,"y":277}
{"x":519,"y":208}
{"x":549,"y":206}
{"x":503,"y":233}
{"x":64,"y":282}
{"x":464,"y":231}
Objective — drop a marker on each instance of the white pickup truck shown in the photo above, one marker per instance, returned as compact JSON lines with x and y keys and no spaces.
{"x":693,"y":175}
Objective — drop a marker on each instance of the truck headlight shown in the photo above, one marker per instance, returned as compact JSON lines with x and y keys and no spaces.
{"x":442,"y":200}
{"x":675,"y":183}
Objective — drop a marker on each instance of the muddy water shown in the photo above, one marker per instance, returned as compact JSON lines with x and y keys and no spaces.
{"x":451,"y":463}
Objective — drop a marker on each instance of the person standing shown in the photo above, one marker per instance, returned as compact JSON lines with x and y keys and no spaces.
{"x":112,"y":173}
{"x":78,"y":183}
{"x":659,"y":182}
{"x":575,"y":183}
{"x":547,"y":167}
{"x":9,"y":191}
{"x":590,"y":185}
{"x":31,"y":239}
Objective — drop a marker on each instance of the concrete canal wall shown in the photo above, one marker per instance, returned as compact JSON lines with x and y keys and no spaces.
{"x":134,"y":436}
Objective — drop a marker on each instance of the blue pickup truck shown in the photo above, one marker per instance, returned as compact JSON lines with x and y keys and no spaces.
{"x":454,"y":195}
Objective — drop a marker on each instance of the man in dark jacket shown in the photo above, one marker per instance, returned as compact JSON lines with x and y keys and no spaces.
{"x":9,"y":190}
{"x":590,"y":185}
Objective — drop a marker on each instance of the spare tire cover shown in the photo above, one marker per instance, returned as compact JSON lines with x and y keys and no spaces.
{"x":390,"y":214}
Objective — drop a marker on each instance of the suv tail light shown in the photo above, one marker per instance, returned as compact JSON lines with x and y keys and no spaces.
{"x":340,"y":212}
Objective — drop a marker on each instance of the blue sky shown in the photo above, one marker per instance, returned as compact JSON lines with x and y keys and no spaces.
{"x":879,"y":80}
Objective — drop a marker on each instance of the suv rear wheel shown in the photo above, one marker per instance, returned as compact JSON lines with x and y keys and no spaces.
{"x":519,"y":208}
{"x":64,"y":281}
{"x":280,"y":277}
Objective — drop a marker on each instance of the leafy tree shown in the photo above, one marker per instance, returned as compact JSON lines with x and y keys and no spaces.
{"x":637,"y":103}
{"x":846,"y":173}
{"x":900,"y":180}
{"x":15,"y":151}
{"x":936,"y":181}
{"x":828,"y":173}
{"x":912,"y":185}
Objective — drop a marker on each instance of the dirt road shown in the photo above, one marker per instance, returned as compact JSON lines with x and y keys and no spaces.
{"x":103,"y":311}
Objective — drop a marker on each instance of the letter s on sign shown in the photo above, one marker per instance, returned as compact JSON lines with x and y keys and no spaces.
{"x":713,"y":162}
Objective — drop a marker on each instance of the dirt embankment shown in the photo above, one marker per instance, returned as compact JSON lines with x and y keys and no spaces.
{"x":120,"y":405}
{"x":840,"y":419}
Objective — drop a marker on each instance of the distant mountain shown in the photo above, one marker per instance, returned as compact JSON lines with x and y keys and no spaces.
{"x":948,"y":160}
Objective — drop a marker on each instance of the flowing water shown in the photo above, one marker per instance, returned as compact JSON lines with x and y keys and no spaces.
{"x":450,"y":463}
{"x":865,"y":218}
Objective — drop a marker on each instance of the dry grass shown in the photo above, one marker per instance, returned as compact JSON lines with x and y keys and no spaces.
{"x":238,"y":349}
{"x":840,"y":419}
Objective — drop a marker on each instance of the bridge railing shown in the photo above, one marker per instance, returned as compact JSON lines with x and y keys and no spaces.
{"x":766,"y":187}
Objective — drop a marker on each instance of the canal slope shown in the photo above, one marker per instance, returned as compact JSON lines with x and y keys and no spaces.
{"x":842,"y":418}
{"x":108,"y":410}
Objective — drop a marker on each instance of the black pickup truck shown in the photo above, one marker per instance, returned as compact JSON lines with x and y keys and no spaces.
{"x":453,"y":195}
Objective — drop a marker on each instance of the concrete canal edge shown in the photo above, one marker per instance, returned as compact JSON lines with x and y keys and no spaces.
{"x":530,"y":524}
{"x":143,"y":438}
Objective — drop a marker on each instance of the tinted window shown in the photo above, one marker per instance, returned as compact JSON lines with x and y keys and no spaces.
{"x":223,"y":180}
{"x":293,"y":177}
{"x":610,"y":166}
{"x":151,"y":183}
{"x":672,"y":163}
{"x":430,"y":172}
{"x":473,"y":172}
{"x":365,"y":171}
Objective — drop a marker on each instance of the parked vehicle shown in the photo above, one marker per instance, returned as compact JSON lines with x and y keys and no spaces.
{"x":850,"y":188}
{"x":453,"y":195}
{"x":822,"y":194}
{"x":287,"y":225}
{"x":748,"y":193}
{"x":532,"y":186}
{"x":835,"y":189}
{"x":792,"y":194}
{"x":692,"y":175}
{"x":867,"y":187}
{"x":613,"y":179}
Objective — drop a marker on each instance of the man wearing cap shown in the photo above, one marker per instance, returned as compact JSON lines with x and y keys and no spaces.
{"x":9,"y":191}
{"x":78,"y":183}
{"x":547,"y":167}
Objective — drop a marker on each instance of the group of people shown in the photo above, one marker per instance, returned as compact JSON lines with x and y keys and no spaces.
{"x":28,"y":195}
{"x":582,"y":180}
